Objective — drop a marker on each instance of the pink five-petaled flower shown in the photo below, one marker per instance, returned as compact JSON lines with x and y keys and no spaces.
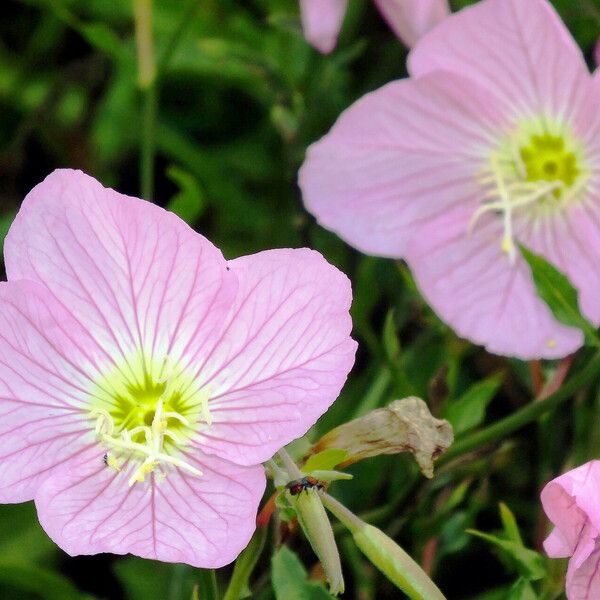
{"x":409,"y":19}
{"x":144,"y":378}
{"x":494,"y":141}
{"x":571,"y":503}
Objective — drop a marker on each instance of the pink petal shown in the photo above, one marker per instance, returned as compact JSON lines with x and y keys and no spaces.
{"x":398,"y":156}
{"x":47,"y":362}
{"x":473,"y":286}
{"x":135,"y":275}
{"x":206,"y":521}
{"x":322,"y":21}
{"x":571,"y":241}
{"x":411,"y":19}
{"x":583,"y":580}
{"x":283,"y":357}
{"x":520,"y":51}
{"x":571,"y":500}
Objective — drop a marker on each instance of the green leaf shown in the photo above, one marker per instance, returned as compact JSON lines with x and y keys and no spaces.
{"x":558,"y":293}
{"x":36,"y":580}
{"x":188,"y":203}
{"x":289,"y":579}
{"x":528,"y":563}
{"x":511,"y":529}
{"x":391,"y":343}
{"x":522,"y":590}
{"x":325,"y":460}
{"x":468,"y":411}
{"x":143,"y":579}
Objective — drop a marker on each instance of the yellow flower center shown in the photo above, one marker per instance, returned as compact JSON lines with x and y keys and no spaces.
{"x":541,"y":166}
{"x":547,"y":158}
{"x":148,"y":413}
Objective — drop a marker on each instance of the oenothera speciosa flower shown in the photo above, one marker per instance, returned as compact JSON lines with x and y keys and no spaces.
{"x":571,"y":503}
{"x":493,"y":141}
{"x":144,"y":378}
{"x":409,"y":19}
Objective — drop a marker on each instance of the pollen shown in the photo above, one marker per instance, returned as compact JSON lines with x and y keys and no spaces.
{"x":146,"y":415}
{"x":536,"y":170}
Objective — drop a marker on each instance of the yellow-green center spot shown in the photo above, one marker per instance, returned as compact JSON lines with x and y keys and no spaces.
{"x":547,"y":158}
{"x":146,"y":412}
{"x":135,"y":406}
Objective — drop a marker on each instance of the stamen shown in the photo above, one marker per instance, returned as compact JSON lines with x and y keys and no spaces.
{"x":505,"y":197}
{"x":152,"y":449}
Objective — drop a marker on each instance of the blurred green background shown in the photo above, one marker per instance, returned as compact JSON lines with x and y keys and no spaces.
{"x":240,"y":96}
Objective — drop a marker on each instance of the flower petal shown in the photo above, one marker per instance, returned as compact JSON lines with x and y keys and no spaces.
{"x":283,"y":357}
{"x":473,"y":286}
{"x":520,"y":51}
{"x":411,"y":19}
{"x":322,"y":21}
{"x":583,"y":580}
{"x":570,"y":501}
{"x":135,"y":275}
{"x":399,"y":155}
{"x":87,"y":508}
{"x":47,"y":364}
{"x":571,"y":241}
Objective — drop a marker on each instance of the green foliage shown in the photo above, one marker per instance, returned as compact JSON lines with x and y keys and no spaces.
{"x":468,"y":411}
{"x":240,"y":98}
{"x":290,"y":581}
{"x":559,"y":294}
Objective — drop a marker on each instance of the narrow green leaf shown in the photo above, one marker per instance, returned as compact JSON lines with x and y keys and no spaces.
{"x":468,"y":411}
{"x":325,"y":460}
{"x":511,"y":529}
{"x":391,"y":343}
{"x":528,"y":563}
{"x":188,"y":203}
{"x":558,"y":293}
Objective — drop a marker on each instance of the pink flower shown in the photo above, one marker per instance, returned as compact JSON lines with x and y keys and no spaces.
{"x":495,"y":140}
{"x":144,"y":378}
{"x":571,"y":503}
{"x":409,"y":19}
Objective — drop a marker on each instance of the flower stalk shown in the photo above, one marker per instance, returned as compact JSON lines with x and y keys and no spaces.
{"x":316,"y":526}
{"x":142,"y":10}
{"x":385,"y":554}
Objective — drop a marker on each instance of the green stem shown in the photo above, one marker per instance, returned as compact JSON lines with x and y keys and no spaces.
{"x":142,"y":10}
{"x":245,"y":564}
{"x":288,"y":463}
{"x":523,"y":416}
{"x":207,"y":584}
{"x":385,"y":554}
{"x":147,"y":141}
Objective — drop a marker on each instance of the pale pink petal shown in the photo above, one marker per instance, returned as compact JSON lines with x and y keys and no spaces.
{"x":572,"y":499}
{"x":475,"y":288}
{"x":283,"y":357}
{"x":136,"y":276}
{"x":87,"y":508}
{"x":322,"y":21}
{"x":520,"y":51}
{"x":47,"y":365}
{"x":411,"y":19}
{"x":583,"y":575}
{"x":571,"y":241}
{"x":398,"y":156}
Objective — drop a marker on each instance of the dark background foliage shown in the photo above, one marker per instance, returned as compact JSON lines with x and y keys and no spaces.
{"x":241,"y":95}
